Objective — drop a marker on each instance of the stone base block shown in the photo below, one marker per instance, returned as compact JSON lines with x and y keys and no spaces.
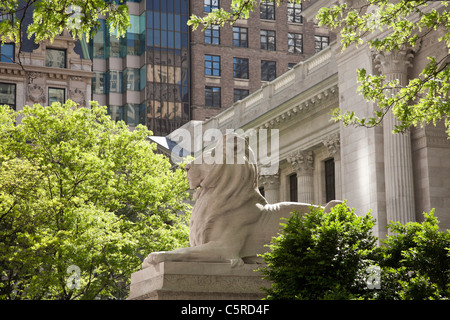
{"x":197,"y":281}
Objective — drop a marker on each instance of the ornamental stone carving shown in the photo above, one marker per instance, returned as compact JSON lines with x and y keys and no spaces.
{"x":269,"y":182}
{"x":77,"y":96}
{"x":302,"y":161}
{"x":36,"y":93}
{"x":333,"y":144}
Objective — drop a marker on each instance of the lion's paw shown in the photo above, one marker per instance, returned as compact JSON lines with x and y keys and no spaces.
{"x":153,"y":258}
{"x":237,"y":262}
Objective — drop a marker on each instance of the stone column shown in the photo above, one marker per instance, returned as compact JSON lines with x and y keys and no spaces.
{"x":303,"y":164}
{"x":271,"y":185}
{"x":397,"y":147}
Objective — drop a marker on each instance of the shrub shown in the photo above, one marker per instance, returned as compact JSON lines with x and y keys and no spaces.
{"x":334,"y":256}
{"x":415,"y":261}
{"x":320,"y":255}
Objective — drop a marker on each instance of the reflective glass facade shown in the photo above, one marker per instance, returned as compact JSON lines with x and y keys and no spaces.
{"x":160,"y":35}
{"x":167,"y":44}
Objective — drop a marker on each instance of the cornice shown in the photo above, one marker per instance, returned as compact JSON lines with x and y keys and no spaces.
{"x":296,"y":107}
{"x":55,"y":73}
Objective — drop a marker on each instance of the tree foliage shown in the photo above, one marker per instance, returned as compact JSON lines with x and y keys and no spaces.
{"x":51,"y":17}
{"x":415,"y":261}
{"x":400,"y":24}
{"x":334,"y":256}
{"x":82,"y":200}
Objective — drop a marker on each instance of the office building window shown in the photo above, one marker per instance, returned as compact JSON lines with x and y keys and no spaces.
{"x":131,"y":79}
{"x":267,"y":10}
{"x":55,"y":58}
{"x":212,"y":65}
{"x":135,"y":114}
{"x":5,"y":16}
{"x":135,"y":36}
{"x":330,"y":191}
{"x":98,"y":82}
{"x":56,"y":95}
{"x":8,"y":94}
{"x":240,"y":94}
{"x":267,"y":40}
{"x":212,"y":35}
{"x":293,"y":193}
{"x":291,"y":65}
{"x":240,"y":68}
{"x":114,"y":81}
{"x":212,"y":97}
{"x":210,"y":5}
{"x":294,"y":11}
{"x":7,"y":52}
{"x":97,"y":43}
{"x":268,"y":70}
{"x":295,"y":42}
{"x":321,"y":42}
{"x":240,"y":37}
{"x":116,"y":112}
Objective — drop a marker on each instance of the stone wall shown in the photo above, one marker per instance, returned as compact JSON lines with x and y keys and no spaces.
{"x":33,"y":77}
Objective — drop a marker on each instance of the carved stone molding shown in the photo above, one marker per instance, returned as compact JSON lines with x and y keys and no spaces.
{"x":303,"y":107}
{"x":302,"y":162}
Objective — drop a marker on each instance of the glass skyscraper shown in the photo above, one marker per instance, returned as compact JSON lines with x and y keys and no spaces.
{"x":143,"y":78}
{"x":167,"y":60}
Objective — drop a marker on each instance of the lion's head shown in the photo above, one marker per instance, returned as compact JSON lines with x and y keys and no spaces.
{"x":230,"y":166}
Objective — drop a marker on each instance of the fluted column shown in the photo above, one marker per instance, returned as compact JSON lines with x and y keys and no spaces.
{"x":397,"y":147}
{"x":303,"y":164}
{"x":271,"y":185}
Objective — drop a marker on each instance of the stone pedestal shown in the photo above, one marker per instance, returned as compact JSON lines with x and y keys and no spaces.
{"x":197,"y":281}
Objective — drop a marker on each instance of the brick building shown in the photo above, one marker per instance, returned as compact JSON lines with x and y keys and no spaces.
{"x":230,"y":62}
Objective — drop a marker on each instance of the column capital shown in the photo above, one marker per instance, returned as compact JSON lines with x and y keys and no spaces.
{"x":333,"y":144}
{"x":269,"y":182}
{"x":302,"y":161}
{"x":394,"y":61}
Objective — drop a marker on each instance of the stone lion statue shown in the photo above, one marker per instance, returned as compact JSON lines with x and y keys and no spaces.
{"x":231,"y":221}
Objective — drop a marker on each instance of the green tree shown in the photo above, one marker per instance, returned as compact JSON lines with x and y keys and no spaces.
{"x":51,"y":17}
{"x":82,"y":201}
{"x":321,"y":256}
{"x":424,"y":99}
